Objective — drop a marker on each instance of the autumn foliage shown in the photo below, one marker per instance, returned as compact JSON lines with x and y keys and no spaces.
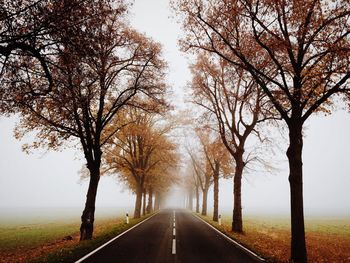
{"x":142,"y":156}
{"x":78,"y":75}
{"x":99,"y":65}
{"x":235,"y":106}
{"x":296,"y":51}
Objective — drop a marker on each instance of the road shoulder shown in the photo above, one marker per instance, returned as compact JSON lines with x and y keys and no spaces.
{"x":240,"y":246}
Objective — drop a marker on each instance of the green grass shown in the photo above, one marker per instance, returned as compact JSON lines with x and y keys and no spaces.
{"x":30,"y":236}
{"x":42,"y":242}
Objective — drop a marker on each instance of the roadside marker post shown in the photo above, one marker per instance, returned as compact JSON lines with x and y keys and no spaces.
{"x":114,"y":238}
{"x":127,"y":218}
{"x":219,"y":220}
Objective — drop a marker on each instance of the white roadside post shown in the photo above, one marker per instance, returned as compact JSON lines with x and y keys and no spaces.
{"x":219,"y":220}
{"x":127,"y":218}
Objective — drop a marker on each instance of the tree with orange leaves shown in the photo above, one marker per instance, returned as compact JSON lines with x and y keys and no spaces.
{"x":208,"y":160}
{"x":235,"y":106}
{"x":296,"y":51}
{"x":142,"y":156}
{"x":203,"y":175}
{"x":191,"y":183}
{"x":100,"y":70}
{"x":217,"y":159}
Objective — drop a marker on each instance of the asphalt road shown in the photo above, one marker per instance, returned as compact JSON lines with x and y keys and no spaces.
{"x":172,"y":237}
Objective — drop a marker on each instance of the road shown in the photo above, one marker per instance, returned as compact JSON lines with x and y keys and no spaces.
{"x":174,"y":236}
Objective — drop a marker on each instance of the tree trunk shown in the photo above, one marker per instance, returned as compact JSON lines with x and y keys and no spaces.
{"x":197,"y":199}
{"x":216,"y":192}
{"x":204,"y":203}
{"x":156,"y":201}
{"x":237,"y":223}
{"x":88,"y":216}
{"x":138,"y":202}
{"x":150,"y":199}
{"x":294,"y":154}
{"x":144,"y":202}
{"x":190,"y":199}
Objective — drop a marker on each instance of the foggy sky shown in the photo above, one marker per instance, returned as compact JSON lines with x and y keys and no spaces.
{"x":52,"y":180}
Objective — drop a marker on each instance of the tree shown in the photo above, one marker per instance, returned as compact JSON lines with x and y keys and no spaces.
{"x":212,"y":158}
{"x":163,"y":176}
{"x":203,"y":176}
{"x":219,"y":162}
{"x":28,"y":33}
{"x":236,"y":106}
{"x":190,"y":187}
{"x":102,"y":67}
{"x":142,"y":156}
{"x":298,"y":54}
{"x":191,"y":183}
{"x":24,"y":27}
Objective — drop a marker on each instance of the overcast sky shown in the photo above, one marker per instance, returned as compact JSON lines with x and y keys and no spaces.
{"x":52,"y":180}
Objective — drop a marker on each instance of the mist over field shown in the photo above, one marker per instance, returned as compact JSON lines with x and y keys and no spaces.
{"x":45,"y":183}
{"x":177,"y":130}
{"x":51,"y":179}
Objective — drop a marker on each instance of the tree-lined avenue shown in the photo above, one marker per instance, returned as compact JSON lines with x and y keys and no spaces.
{"x":152,"y":241}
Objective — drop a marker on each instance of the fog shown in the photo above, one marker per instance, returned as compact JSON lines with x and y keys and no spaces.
{"x":51,"y":179}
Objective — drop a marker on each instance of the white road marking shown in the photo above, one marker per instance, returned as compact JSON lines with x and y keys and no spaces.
{"x":231,"y":240}
{"x":108,"y":242}
{"x":173,"y":251}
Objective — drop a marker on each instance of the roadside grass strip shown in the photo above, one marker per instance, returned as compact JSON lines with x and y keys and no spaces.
{"x":113,"y":239}
{"x":251,"y":253}
{"x":84,"y":249}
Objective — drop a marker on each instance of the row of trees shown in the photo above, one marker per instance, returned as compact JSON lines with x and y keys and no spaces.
{"x":72,"y":70}
{"x":209,"y":160}
{"x":143,"y":156}
{"x":293,"y":54}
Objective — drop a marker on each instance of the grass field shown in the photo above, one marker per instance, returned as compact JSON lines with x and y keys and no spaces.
{"x":44,"y":242}
{"x":328,"y":240}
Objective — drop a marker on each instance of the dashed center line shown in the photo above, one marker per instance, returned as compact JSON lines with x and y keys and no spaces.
{"x":173,"y":249}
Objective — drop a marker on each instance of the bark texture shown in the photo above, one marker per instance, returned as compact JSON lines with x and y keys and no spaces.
{"x":294,"y":154}
{"x":138,"y":203}
{"x":237,"y":225}
{"x":88,"y":216}
{"x":204,"y":201}
{"x":216,"y":191}
{"x":150,"y":201}
{"x":144,"y":202}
